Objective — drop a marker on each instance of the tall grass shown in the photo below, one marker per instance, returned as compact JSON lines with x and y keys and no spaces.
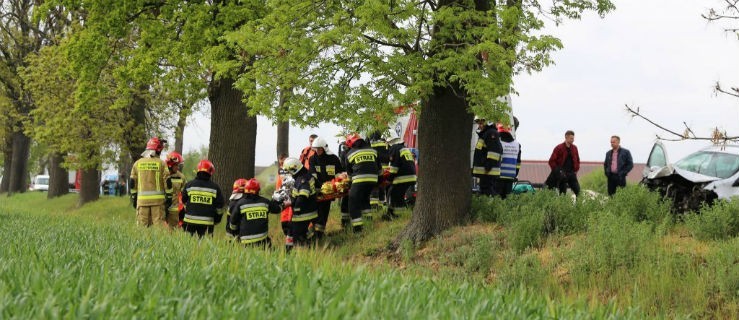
{"x":94,"y":263}
{"x":627,"y":249}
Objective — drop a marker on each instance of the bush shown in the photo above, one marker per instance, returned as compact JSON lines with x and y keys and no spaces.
{"x":639,"y":204}
{"x":723,"y":263}
{"x":528,"y":231}
{"x":524,"y":271}
{"x":612,"y":242}
{"x":719,"y":221}
{"x":595,"y":181}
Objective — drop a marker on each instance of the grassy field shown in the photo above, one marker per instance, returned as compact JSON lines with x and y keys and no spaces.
{"x":540,"y":256}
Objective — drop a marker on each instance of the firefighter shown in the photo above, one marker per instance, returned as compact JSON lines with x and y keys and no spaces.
{"x":175,"y":181}
{"x":344,"y":202}
{"x":303,"y":202}
{"x":148,"y":186}
{"x":203,"y":201}
{"x":486,"y":159}
{"x":287,"y":213}
{"x":362,"y":167}
{"x":510,"y":162}
{"x":237,"y":192}
{"x":324,"y":165}
{"x":377,"y":199}
{"x":249,"y":220}
{"x":402,"y":174}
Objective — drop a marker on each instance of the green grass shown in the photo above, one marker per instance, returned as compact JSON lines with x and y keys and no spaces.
{"x":93,"y":262}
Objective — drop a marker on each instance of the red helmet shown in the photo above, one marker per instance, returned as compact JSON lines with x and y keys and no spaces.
{"x":239,"y":185}
{"x":173,"y":159}
{"x":502,"y":128}
{"x":206,"y":166}
{"x":155,"y":144}
{"x":351,"y":139}
{"x":252,"y":186}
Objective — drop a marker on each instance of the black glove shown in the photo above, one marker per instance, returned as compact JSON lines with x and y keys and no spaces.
{"x":167,"y":202}
{"x":134,"y":198}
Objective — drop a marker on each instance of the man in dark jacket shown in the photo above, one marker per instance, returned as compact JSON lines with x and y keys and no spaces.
{"x":486,"y":159}
{"x":565,"y":163}
{"x":617,"y":165}
{"x":324,"y":165}
{"x":203,"y":201}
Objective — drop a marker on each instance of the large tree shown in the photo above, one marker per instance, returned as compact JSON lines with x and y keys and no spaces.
{"x":20,"y":35}
{"x":181,"y":41}
{"x":347,"y":59}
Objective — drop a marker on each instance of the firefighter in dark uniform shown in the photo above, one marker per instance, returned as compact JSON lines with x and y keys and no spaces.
{"x":203,"y":201}
{"x":303,"y":201}
{"x":363,"y":168}
{"x":377,"y":199}
{"x":402,"y":174}
{"x":249,"y":216}
{"x":175,"y":182}
{"x":486,"y":159}
{"x":510,"y":162}
{"x":237,"y":193}
{"x":324,"y":165}
{"x":344,"y":203}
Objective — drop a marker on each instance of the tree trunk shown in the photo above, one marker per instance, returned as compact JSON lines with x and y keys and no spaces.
{"x":43,"y":165}
{"x":8,"y":157}
{"x":179,"y":130}
{"x":58,"y":176}
{"x":233,"y":134}
{"x":90,"y":189}
{"x":124,"y":169}
{"x":19,"y":170}
{"x":283,"y":127}
{"x":444,"y":178}
{"x":135,"y":141}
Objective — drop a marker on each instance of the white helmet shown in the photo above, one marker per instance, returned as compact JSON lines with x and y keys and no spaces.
{"x":321,"y":143}
{"x":394,"y":138}
{"x":292,"y":165}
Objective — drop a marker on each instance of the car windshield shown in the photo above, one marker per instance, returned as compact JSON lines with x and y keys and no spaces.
{"x":42,"y":180}
{"x":714,"y":164}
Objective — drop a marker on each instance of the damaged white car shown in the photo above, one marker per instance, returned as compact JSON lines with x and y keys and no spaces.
{"x":701,"y":177}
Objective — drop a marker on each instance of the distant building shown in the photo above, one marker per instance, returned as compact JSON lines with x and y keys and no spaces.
{"x":536,"y":171}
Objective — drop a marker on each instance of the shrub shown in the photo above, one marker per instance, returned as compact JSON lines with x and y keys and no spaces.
{"x":719,"y":221}
{"x":528,"y":231}
{"x":724,"y":264}
{"x":613,"y":241}
{"x":639,"y":204}
{"x":595,"y":181}
{"x":524,"y":271}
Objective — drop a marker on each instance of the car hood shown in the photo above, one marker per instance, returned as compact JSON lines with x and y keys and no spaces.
{"x":669,"y":170}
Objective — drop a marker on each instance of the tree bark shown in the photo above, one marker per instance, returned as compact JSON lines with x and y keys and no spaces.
{"x":179,"y":130}
{"x":8,"y":157}
{"x":19,"y":169}
{"x":233,"y":134}
{"x":90,"y":189}
{"x":444,"y":180}
{"x":135,"y":140}
{"x":58,"y":176}
{"x":283,"y":127}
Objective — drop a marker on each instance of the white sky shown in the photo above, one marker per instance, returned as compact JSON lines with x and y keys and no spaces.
{"x":658,"y":55}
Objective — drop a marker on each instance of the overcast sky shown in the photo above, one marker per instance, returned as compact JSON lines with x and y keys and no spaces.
{"x":658,"y":55}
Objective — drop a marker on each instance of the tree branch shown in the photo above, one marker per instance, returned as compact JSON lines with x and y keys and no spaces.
{"x":716,"y":137}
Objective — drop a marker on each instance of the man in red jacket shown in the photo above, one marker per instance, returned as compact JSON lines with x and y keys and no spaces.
{"x":565,"y":162}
